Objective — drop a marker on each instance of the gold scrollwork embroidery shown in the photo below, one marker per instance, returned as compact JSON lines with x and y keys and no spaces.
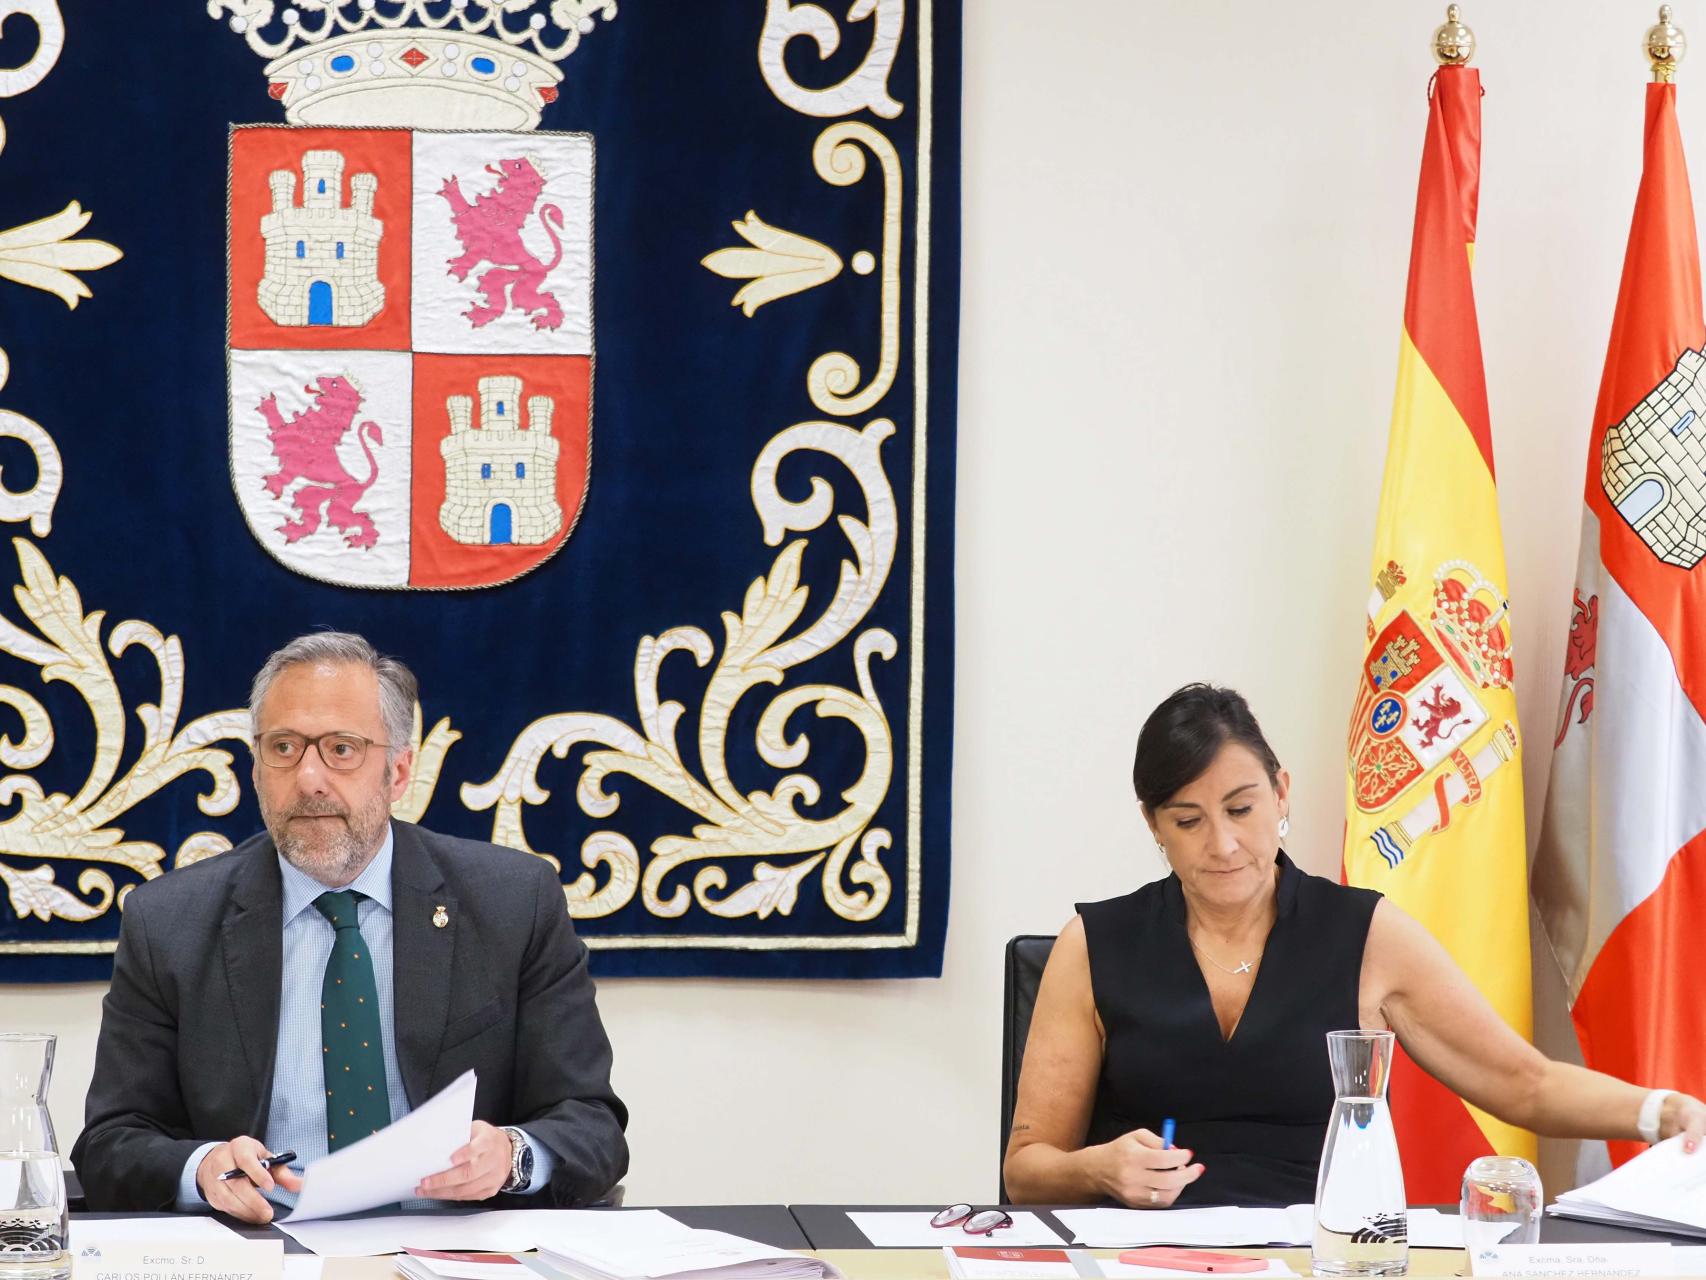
{"x":44,"y":255}
{"x":866,"y":87}
{"x":50,"y":43}
{"x":66,"y":647}
{"x":778,"y":264}
{"x":429,"y":762}
{"x":36,"y":503}
{"x":762,"y":643}
{"x":833,"y":379}
{"x":781,"y":263}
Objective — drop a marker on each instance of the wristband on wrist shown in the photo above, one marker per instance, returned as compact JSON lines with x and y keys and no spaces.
{"x":1647,"y":1123}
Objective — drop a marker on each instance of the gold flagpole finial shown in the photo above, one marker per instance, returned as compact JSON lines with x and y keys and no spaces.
{"x":1454,"y":43}
{"x":1665,"y":46}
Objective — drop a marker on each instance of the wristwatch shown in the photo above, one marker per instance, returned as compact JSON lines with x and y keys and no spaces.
{"x":520,"y":1161}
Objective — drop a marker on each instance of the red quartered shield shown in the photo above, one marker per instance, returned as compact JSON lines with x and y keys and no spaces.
{"x":411,"y":349}
{"x":1413,"y":709}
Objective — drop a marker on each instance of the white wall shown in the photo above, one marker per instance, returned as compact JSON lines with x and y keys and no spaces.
{"x":1186,"y":240}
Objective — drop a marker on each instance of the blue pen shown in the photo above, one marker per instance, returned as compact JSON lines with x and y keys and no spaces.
{"x":1167,"y":1128}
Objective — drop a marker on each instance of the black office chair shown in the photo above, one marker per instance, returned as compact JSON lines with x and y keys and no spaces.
{"x":1026,"y":956}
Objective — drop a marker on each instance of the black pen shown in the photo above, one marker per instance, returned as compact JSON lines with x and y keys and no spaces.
{"x":271,"y":1162}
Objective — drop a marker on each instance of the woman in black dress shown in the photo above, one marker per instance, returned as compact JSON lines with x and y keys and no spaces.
{"x":1205,"y":997}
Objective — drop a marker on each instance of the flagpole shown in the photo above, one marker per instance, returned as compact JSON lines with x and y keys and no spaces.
{"x":1454,"y":43}
{"x":1666,"y":44}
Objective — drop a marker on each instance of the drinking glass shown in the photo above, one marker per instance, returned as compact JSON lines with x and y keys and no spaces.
{"x":1501,"y":1203}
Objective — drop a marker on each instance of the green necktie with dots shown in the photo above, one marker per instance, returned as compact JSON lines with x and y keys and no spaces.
{"x":357,"y":1103}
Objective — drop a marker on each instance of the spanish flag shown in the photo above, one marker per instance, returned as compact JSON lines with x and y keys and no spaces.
{"x":1620,"y":872}
{"x":1434,"y":788}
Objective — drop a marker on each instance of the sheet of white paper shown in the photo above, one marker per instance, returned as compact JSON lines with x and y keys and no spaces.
{"x":619,"y":1247}
{"x":1117,"y":1270}
{"x":179,"y":1226}
{"x":496,"y":1231}
{"x":1688,"y":1260}
{"x":386,"y":1167}
{"x":1201,"y":1228}
{"x":1431,"y":1229}
{"x":1662,"y":1184}
{"x":913,"y":1231}
{"x":302,"y":1266}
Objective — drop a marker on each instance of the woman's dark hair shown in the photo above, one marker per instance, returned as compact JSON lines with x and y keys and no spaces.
{"x":1184,"y":734}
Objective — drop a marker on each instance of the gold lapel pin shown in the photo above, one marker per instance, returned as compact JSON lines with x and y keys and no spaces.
{"x":440,"y":917}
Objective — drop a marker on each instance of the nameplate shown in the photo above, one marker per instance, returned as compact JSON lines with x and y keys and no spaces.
{"x":1573,"y":1260}
{"x":180,"y":1260}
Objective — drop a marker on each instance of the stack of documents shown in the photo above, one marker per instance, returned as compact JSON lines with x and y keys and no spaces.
{"x":432,"y":1264}
{"x":1659,"y":1190}
{"x":633,"y":1246}
{"x":1218,"y":1228}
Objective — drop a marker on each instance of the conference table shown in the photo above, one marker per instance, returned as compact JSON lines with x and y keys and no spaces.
{"x":826,"y":1230}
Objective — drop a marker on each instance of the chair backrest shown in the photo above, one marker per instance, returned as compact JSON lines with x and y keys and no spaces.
{"x":1026,"y":956}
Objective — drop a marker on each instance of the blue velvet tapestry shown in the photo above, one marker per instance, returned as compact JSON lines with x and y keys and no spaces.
{"x":595,"y":357}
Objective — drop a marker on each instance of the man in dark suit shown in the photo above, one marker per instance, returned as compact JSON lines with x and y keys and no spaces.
{"x":323,"y":978}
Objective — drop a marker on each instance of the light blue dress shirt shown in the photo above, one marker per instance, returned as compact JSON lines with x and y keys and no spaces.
{"x":296,"y":1118}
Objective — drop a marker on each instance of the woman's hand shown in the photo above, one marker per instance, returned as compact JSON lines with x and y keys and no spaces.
{"x":1686,"y":1115}
{"x":1138,"y":1170}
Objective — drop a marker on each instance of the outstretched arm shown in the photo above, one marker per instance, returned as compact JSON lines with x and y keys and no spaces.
{"x":1457,"y":1037}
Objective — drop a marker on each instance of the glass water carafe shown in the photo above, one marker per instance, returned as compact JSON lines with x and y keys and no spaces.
{"x":33,"y":1225}
{"x":1361,"y":1219}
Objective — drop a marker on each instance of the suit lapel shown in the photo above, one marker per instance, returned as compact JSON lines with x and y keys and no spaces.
{"x":421,"y":952}
{"x":253,"y":942}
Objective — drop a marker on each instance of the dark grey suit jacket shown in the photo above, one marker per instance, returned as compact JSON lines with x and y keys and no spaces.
{"x":190,"y":1024}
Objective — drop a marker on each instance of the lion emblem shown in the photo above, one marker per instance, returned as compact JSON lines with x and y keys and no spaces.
{"x":489,"y":229}
{"x":307,"y":450}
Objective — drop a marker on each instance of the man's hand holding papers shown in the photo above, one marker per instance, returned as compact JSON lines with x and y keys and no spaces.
{"x":388,"y":1166}
{"x":478,"y":1170}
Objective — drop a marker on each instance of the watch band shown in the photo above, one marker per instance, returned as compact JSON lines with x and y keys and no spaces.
{"x":520,"y":1160}
{"x":1647,"y":1123}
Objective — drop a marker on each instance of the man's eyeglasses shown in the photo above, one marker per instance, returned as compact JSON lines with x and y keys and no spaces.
{"x":284,"y":749}
{"x":975,"y":1222}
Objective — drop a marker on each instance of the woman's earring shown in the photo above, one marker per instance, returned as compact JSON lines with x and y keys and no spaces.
{"x":1285,"y":827}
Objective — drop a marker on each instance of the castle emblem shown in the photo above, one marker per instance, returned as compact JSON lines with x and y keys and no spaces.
{"x":500,"y":477}
{"x":322,"y":256}
{"x":1653,"y":466}
{"x":410,"y":257}
{"x":1417,"y":711}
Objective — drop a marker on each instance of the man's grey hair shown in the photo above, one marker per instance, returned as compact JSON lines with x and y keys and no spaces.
{"x":397,"y":687}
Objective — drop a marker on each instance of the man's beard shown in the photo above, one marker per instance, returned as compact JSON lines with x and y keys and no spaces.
{"x":334,"y":853}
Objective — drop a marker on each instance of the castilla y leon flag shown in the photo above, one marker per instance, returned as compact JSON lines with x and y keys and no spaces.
{"x":1620,"y":874}
{"x":1434,"y":793}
